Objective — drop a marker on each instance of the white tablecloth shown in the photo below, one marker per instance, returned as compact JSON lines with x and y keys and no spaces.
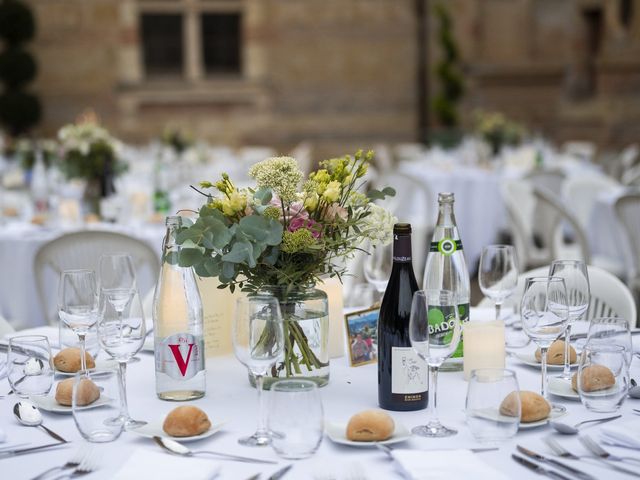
{"x":19,"y":243}
{"x":350,"y":390}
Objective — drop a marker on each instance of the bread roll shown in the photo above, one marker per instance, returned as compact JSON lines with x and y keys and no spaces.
{"x":370,"y":426}
{"x":68,"y":360}
{"x":555,"y":354}
{"x":533,"y":407}
{"x":88,"y":392}
{"x":594,"y":378}
{"x":186,"y":421}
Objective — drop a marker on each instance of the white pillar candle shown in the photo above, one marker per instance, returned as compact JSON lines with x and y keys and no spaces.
{"x":483,"y":345}
{"x":333,"y":288}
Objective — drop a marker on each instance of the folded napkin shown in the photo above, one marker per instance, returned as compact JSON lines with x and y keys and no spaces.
{"x":621,"y":434}
{"x":144,"y":463}
{"x":444,"y":465}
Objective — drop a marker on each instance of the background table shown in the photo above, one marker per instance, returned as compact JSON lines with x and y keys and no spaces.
{"x":229,"y":398}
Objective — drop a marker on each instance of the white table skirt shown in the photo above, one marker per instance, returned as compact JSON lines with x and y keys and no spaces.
{"x":19,"y":244}
{"x":229,"y":398}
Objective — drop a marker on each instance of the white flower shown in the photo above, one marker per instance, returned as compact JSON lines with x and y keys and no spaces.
{"x":280,"y":174}
{"x":377,"y":227}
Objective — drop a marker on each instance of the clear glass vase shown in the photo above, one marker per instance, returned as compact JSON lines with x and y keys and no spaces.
{"x":305,"y":313}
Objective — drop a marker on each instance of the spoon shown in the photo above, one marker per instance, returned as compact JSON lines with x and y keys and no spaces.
{"x":32,"y":367}
{"x":179,"y":449}
{"x":29,"y":415}
{"x":572,"y":430}
{"x":634,"y":391}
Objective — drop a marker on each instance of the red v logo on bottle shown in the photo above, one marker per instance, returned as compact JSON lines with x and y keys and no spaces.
{"x":182,"y":364}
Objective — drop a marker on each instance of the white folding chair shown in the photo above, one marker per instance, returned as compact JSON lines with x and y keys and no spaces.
{"x":5,"y":327}
{"x":627,"y":209}
{"x":83,"y":250}
{"x":610,"y":297}
{"x":582,"y":191}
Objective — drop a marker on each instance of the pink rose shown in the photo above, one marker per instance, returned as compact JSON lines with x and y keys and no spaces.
{"x":334,"y":211}
{"x":313,"y":227}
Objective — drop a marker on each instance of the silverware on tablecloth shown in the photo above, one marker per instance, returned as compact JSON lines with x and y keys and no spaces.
{"x":537,"y":468}
{"x":280,"y":473}
{"x":561,"y":451}
{"x":23,"y":451}
{"x":591,"y":445}
{"x":567,"y":429}
{"x":73,"y":462}
{"x":555,"y":463}
{"x":29,"y":415}
{"x":179,"y":449}
{"x":89,"y":464}
{"x":578,"y":336}
{"x":254,"y":477}
{"x":387,"y":449}
{"x":11,"y":447}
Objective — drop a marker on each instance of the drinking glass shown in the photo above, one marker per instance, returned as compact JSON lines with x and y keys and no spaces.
{"x":78,"y":304}
{"x":576,"y":279}
{"x":94,"y":421}
{"x":29,"y":365}
{"x":434,"y":331}
{"x":498,"y":273}
{"x":490,"y":390}
{"x":296,"y":419}
{"x":117,"y":279}
{"x":377,"y":267}
{"x":545,"y":315}
{"x":121,"y":334}
{"x":611,"y":331}
{"x":612,"y":357}
{"x":258,"y":342}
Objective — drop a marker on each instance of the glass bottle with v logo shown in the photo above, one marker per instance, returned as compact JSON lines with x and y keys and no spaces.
{"x":178,"y":325}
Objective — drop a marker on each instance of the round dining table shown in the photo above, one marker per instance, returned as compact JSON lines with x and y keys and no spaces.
{"x":230,"y":399}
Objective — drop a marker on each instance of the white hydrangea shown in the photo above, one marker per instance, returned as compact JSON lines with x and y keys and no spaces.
{"x":377,"y":227}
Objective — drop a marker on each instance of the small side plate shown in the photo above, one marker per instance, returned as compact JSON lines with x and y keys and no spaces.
{"x":154,"y":429}
{"x":49,"y":403}
{"x":562,"y":388}
{"x":337,"y":432}
{"x":530,"y":359}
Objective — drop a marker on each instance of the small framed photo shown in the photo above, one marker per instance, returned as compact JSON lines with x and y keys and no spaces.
{"x":362,"y":335}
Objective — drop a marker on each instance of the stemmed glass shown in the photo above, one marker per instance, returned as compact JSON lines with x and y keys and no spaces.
{"x":545,"y":315}
{"x":611,"y":331}
{"x":377,"y":267}
{"x":117,"y":280}
{"x":78,"y":305}
{"x":576,"y":279}
{"x":258,"y":342}
{"x":121,"y":333}
{"x":498,"y":273}
{"x":434,"y":331}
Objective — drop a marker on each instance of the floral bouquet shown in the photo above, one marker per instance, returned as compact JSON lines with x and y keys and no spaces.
{"x":497,"y":130}
{"x":281,"y":238}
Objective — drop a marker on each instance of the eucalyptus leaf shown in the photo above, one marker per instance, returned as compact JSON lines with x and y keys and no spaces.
{"x":189,"y":257}
{"x":241,"y":252}
{"x":263,"y":195}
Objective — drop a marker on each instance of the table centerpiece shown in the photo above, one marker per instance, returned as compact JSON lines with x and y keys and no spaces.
{"x":281,"y":237}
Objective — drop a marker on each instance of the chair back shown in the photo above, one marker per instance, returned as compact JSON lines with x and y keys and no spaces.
{"x":83,"y":250}
{"x":582,"y":191}
{"x":627,"y":209}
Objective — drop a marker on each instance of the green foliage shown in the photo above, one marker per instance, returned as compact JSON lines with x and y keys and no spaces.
{"x":17,"y":67}
{"x":17,"y":24}
{"x":94,"y":164}
{"x":19,"y":111}
{"x":451,"y":85}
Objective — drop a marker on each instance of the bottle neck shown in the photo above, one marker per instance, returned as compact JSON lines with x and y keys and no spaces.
{"x":402,"y":249}
{"x":446,"y":218}
{"x":169,"y":244}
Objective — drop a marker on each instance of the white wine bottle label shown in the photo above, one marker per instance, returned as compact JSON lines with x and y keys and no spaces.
{"x":441,"y":325}
{"x":408,"y":375}
{"x":446,"y":246}
{"x":181,"y":356}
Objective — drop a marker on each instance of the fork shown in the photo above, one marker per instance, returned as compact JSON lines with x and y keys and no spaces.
{"x":596,"y":449}
{"x":88,"y":464}
{"x":73,"y":462}
{"x":560,"y":451}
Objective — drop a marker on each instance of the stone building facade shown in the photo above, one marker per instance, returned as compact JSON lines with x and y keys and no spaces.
{"x":340,"y":73}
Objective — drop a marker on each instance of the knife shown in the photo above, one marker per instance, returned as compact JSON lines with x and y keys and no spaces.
{"x":280,"y":473}
{"x":555,"y":463}
{"x":22,"y":451}
{"x":537,"y":468}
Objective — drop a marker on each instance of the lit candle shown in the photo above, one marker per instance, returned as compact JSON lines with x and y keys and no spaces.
{"x":333,"y":288}
{"x":483,"y":345}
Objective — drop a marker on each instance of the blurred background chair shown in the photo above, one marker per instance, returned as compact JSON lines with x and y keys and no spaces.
{"x":627,"y":209}
{"x":5,"y":327}
{"x":581,"y":193}
{"x":83,"y":250}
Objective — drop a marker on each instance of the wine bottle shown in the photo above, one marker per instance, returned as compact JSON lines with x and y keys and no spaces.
{"x":402,"y":375}
{"x":446,"y":269}
{"x":178,"y":326}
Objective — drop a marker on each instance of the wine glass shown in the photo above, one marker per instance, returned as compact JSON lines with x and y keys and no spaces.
{"x":78,"y":305}
{"x":258,"y":342}
{"x":545,"y":315}
{"x":611,"y":331}
{"x":498,"y":273}
{"x":434,"y":331}
{"x":576,"y":279}
{"x":117,"y":280}
{"x":377,"y":267}
{"x":121,"y":333}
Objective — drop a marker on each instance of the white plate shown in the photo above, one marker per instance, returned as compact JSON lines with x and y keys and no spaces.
{"x":154,"y":429}
{"x":107,"y":363}
{"x":562,"y":388}
{"x":552,"y":416}
{"x":337,"y":432}
{"x":49,"y":403}
{"x":529,"y":358}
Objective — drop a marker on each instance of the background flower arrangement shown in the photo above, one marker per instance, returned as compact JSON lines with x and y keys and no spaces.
{"x":497,"y":130}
